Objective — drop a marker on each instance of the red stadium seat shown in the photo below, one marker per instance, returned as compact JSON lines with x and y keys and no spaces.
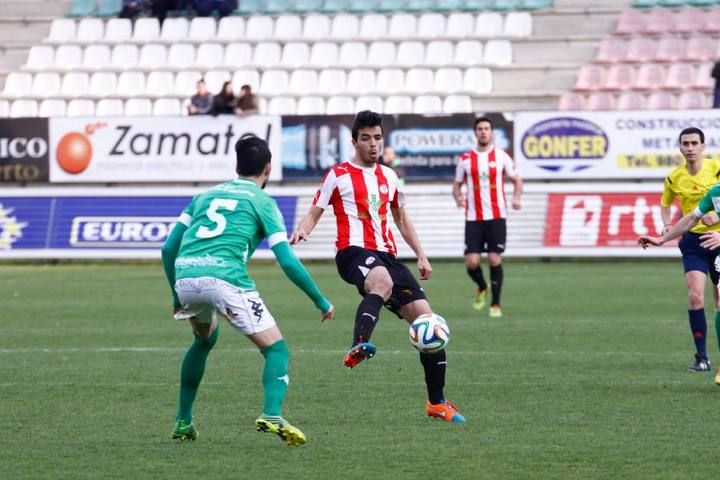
{"x":590,"y":77}
{"x":631,"y":22}
{"x":680,"y":76}
{"x":640,"y":50}
{"x":620,"y":77}
{"x":611,"y":50}
{"x":630,"y":101}
{"x":600,"y":101}
{"x":571,"y":101}
{"x":703,"y":79}
{"x":692,"y":100}
{"x":670,"y":49}
{"x":659,"y":20}
{"x":700,"y":49}
{"x":650,"y":76}
{"x":711,"y":21}
{"x":661,"y":101}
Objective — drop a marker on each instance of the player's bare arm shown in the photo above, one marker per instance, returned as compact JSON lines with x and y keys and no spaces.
{"x":408,"y":232}
{"x":666,"y":215}
{"x":306,"y":225}
{"x":517,"y":192}
{"x":458,"y":195}
{"x":684,"y":225}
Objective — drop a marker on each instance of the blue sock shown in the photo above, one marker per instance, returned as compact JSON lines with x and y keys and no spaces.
{"x":698,"y":327}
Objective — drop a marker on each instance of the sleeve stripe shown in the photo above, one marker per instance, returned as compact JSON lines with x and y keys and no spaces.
{"x":184,"y":218}
{"x":276,"y":238}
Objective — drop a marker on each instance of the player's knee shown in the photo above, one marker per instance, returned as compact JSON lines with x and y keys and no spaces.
{"x":695,"y":299}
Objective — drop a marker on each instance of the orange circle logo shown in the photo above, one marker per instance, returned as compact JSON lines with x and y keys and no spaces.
{"x":74,"y":152}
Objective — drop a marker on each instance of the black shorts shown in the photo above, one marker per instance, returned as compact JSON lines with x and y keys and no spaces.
{"x":485,"y":236}
{"x":354,"y":263}
{"x":697,"y":257}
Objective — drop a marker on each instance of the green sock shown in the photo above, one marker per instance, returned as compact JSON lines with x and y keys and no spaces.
{"x":191,"y":373}
{"x":717,"y":328}
{"x":275,"y":377}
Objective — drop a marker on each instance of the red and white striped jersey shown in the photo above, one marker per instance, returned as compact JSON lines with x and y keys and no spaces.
{"x":361,"y":198}
{"x":483,"y":174}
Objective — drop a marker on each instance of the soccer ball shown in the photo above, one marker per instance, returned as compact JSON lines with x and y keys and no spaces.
{"x":429,"y":333}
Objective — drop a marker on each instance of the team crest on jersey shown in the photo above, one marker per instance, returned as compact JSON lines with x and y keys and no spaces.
{"x":383,"y":189}
{"x":492,"y":164}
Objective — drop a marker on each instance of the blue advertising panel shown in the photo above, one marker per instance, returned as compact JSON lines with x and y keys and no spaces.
{"x":24,"y":222}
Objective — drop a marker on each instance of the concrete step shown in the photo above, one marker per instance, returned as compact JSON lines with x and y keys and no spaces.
{"x":33,"y":8}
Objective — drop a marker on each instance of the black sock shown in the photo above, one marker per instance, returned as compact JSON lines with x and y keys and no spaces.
{"x":496,"y":279}
{"x":434,"y":365}
{"x":366,"y":317}
{"x":477,"y":277}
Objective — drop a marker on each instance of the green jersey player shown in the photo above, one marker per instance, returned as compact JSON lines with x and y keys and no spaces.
{"x":205,"y":260}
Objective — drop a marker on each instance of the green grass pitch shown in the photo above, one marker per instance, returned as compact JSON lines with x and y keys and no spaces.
{"x":585,"y":377}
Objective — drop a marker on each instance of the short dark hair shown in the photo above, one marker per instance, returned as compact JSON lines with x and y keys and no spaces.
{"x":482,"y":119}
{"x":690,"y":131}
{"x":246,"y":87}
{"x":366,"y":119}
{"x":252,"y":154}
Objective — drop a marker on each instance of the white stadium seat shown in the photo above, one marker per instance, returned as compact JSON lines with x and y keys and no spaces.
{"x":246,"y":77}
{"x":151,"y":56}
{"x":369,"y":102}
{"x":102,"y":84}
{"x":477,"y":80}
{"x":186,"y":83}
{"x":518,"y":24}
{"x":344,"y":27}
{"x":282,"y":106}
{"x":124,"y":56}
{"x":174,"y":30}
{"x":130,"y":84}
{"x":237,"y":55}
{"x":90,"y":30}
{"x":457,"y":104}
{"x":259,"y":28}
{"x":459,"y":25}
{"x":340,"y":105}
{"x":410,"y":53}
{"x":288,"y":27}
{"x":382,"y":53}
{"x":448,"y":80}
{"x":488,"y":25}
{"x":202,"y":29}
{"x":498,"y":52}
{"x":332,"y":81}
{"x":146,"y":30}
{"x":181,"y":55}
{"x":110,"y":107}
{"x":62,"y":30}
{"x":419,"y":80}
{"x":4,"y":108}
{"x":295,"y":54}
{"x":214,"y":80}
{"x":75,"y":84}
{"x":311,"y":106}
{"x":274,"y":82}
{"x":23,"y":108}
{"x":118,"y":30}
{"x":40,"y":57}
{"x":468,"y":52}
{"x":398,"y":104}
{"x":352,"y":54}
{"x":46,"y":85}
{"x":230,"y":29}
{"x":209,"y":56}
{"x":324,"y":54}
{"x":68,"y":57}
{"x":361,"y":82}
{"x":431,"y":25}
{"x":373,"y":26}
{"x":390,"y":80}
{"x":52,"y":107}
{"x":96,"y":57}
{"x":159,"y":84}
{"x":167,"y":107}
{"x":267,"y":54}
{"x":80,"y":107}
{"x":439,"y":53}
{"x":402,"y":26}
{"x":303,"y":82}
{"x":316,"y":27}
{"x":138,"y":107}
{"x":427,"y":104}
{"x":18,"y":84}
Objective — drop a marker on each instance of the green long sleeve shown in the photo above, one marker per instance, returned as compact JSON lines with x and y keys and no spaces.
{"x":299,"y":275}
{"x":169,"y":253}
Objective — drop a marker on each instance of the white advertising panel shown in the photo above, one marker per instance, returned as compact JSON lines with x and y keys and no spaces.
{"x":607,"y":145}
{"x":173,"y":149}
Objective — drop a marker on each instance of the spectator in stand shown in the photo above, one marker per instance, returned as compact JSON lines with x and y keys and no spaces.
{"x":716,"y":75}
{"x":202,"y":102}
{"x":204,"y":8}
{"x":247,"y":103}
{"x":224,"y":102}
{"x":133,"y":8}
{"x":161,"y":7}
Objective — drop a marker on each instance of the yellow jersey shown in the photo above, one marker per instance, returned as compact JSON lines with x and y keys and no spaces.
{"x":689,"y":189}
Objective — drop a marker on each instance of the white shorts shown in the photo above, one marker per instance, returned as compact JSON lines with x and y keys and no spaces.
{"x":203,"y":298}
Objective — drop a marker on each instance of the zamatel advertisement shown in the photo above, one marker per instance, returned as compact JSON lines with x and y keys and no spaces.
{"x":23,"y":150}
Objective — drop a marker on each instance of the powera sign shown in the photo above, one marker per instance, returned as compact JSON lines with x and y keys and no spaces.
{"x":182,"y":149}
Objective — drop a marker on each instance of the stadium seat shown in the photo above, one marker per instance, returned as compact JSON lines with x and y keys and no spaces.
{"x":398,"y":104}
{"x":109,"y":107}
{"x":277,"y":6}
{"x":468,"y":53}
{"x":68,"y":57}
{"x":427,"y":104}
{"x":459,"y":25}
{"x":498,"y":52}
{"x":334,"y":6}
{"x":600,"y":101}
{"x":645,"y":3}
{"x":231,"y":29}
{"x":611,"y":50}
{"x":181,"y":56}
{"x":570,"y":101}
{"x":4,"y":108}
{"x":344,"y":27}
{"x":151,"y":55}
{"x":124,"y":56}
{"x":373,"y":26}
{"x":660,"y":101}
{"x":419,"y":80}
{"x":167,"y":107}
{"x":402,"y":26}
{"x":249,"y":7}
{"x":174,"y":30}
{"x":630,"y":101}
{"x":477,"y":5}
{"x":214,"y":79}
{"x":659,"y":20}
{"x":96,"y":57}
{"x":391,"y":5}
{"x":700,"y":49}
{"x":52,"y":107}
{"x":282,"y":106}
{"x":338,"y":105}
{"x":80,"y":107}
{"x":18,"y":84}
{"x":40,"y":57}
{"x":389,"y":81}
{"x":202,"y":29}
{"x":45,"y":85}
{"x":209,"y":56}
{"x":295,"y":55}
{"x":288,"y":27}
{"x":410,"y":53}
{"x":418,"y":5}
{"x":448,"y":80}
{"x":619,"y":77}
{"x":685,"y":21}
{"x":439,"y":53}
{"x":307,"y":6}
{"x":62,"y":30}
{"x":316,"y":27}
{"x":641,"y":50}
{"x":431,"y":26}
{"x":363,"y":6}
{"x":146,"y":30}
{"x":703,"y":78}
{"x":505,"y":5}
{"x":488,"y":25}
{"x":449,"y":5}
{"x":311,"y":106}
{"x":360,"y":81}
{"x":186,"y":83}
{"x":352,"y":54}
{"x":477,"y":80}
{"x":534,"y":4}
{"x":118,"y":30}
{"x":74,"y":84}
{"x":711,"y":21}
{"x":274,"y":82}
{"x":369,"y":102}
{"x":21,"y":108}
{"x":382,"y":53}
{"x":138,"y":107}
{"x":82,"y":8}
{"x":130,"y":84}
{"x":90,"y":30}
{"x":237,"y":55}
{"x":159,"y":84}
{"x":692,"y":100}
{"x":650,"y":76}
{"x":109,"y":8}
{"x":303,"y":82}
{"x":102,"y":84}
{"x":457,"y":104}
{"x":679,"y":76}
{"x":631,"y":22}
{"x":670,"y":49}
{"x":332,"y":81}
{"x":518,"y":24}
{"x":246,"y":77}
{"x":267,"y":54}
{"x":324,"y":54}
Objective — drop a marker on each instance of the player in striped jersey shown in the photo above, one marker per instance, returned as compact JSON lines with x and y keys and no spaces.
{"x":363,"y":194}
{"x":483,"y":172}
